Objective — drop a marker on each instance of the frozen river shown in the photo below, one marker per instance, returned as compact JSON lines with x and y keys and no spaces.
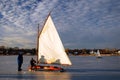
{"x":83,"y":68}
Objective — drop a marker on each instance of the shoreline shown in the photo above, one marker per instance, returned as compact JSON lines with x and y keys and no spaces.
{"x":72,"y":55}
{"x":95,"y":55}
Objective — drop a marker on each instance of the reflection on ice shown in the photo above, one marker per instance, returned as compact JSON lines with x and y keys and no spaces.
{"x":36,"y":76}
{"x":53,"y":75}
{"x":83,"y":68}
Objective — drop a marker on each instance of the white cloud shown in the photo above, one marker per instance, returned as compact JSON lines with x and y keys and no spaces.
{"x":79,"y":18}
{"x":20,"y":19}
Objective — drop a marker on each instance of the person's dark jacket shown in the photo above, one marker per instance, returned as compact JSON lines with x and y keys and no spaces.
{"x":20,"y":59}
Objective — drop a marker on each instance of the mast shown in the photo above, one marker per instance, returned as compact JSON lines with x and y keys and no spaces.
{"x":37,"y":43}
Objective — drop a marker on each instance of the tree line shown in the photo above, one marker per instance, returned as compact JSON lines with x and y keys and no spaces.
{"x":92,"y":51}
{"x":14,"y":51}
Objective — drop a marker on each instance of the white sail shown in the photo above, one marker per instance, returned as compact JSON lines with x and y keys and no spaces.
{"x":50,"y":49}
{"x":98,"y":53}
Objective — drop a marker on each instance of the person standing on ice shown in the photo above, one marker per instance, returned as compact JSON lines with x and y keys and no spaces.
{"x":20,"y":61}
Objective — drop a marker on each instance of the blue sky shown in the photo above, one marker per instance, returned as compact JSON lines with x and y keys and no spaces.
{"x":80,"y":23}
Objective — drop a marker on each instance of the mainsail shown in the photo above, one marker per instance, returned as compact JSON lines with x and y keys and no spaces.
{"x":50,"y":47}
